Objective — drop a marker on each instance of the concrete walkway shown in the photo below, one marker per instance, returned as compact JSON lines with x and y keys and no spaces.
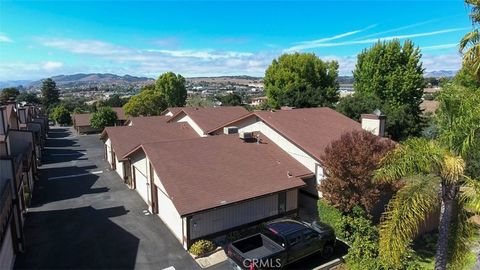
{"x":82,"y":216}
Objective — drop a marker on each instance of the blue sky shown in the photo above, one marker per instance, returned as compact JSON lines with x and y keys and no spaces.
{"x":45,"y":38}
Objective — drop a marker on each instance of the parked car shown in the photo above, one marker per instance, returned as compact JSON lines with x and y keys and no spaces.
{"x":281,"y":243}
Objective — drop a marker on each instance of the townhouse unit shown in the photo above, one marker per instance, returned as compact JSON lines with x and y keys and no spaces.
{"x":81,"y":121}
{"x":225,"y":168}
{"x":18,"y":167}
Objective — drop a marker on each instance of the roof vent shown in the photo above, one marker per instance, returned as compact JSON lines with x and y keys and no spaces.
{"x":230,"y":130}
{"x":247,"y":136}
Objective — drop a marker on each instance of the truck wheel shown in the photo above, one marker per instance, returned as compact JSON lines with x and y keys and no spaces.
{"x":327,"y":250}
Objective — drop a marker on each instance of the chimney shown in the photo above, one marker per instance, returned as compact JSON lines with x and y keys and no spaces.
{"x":374,"y":123}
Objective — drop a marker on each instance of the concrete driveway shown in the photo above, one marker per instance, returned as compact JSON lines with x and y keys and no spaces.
{"x":83,"y":216}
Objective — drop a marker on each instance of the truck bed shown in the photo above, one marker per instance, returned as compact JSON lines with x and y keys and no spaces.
{"x":257,"y":246}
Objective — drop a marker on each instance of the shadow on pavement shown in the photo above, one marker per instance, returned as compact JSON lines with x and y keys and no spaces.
{"x":316,"y":260}
{"x":79,"y":238}
{"x":53,"y":187}
{"x":58,"y":133}
{"x":56,"y":155}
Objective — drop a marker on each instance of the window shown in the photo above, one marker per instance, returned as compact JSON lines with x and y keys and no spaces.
{"x":309,"y":234}
{"x":294,"y":239}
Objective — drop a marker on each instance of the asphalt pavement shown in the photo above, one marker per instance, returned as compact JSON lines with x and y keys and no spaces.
{"x":83,"y":216}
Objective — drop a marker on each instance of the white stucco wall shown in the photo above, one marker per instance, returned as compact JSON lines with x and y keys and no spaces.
{"x":119,"y":167}
{"x":192,"y":123}
{"x":108,"y":143}
{"x":167,"y":211}
{"x":139,"y":165}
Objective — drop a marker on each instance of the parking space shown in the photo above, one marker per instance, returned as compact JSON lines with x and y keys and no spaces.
{"x":83,"y":216}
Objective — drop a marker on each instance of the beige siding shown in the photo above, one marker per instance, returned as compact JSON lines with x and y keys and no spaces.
{"x":194,"y":125}
{"x":169,"y":215}
{"x":7,"y":256}
{"x":119,"y":167}
{"x":292,"y":200}
{"x":18,"y":140}
{"x":228,"y":217}
{"x":139,"y":165}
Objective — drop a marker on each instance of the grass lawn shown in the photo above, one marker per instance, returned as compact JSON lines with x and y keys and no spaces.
{"x":425,"y":248}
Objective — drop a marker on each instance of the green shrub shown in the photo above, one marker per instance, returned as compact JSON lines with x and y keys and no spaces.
{"x":202,"y":247}
{"x":331,"y":216}
{"x":363,"y":238}
{"x":61,"y":115}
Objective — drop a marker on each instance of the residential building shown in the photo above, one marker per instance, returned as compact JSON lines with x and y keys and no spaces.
{"x":257,"y":101}
{"x":81,"y":121}
{"x":120,"y":140}
{"x":18,"y":162}
{"x":207,"y":171}
{"x":205,"y":187}
{"x":204,"y":119}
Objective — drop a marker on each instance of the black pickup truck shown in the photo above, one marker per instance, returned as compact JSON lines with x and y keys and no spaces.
{"x":281,"y":243}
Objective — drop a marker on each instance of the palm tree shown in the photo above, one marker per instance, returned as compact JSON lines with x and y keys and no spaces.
{"x":433,"y":176}
{"x":470,"y":43}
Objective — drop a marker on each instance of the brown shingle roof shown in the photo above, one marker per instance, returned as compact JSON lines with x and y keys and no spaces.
{"x":173,"y":110}
{"x":120,"y":113}
{"x":149,"y":120}
{"x":311,"y":129}
{"x":209,"y":118}
{"x":209,"y":172}
{"x":81,"y":119}
{"x":126,"y":138}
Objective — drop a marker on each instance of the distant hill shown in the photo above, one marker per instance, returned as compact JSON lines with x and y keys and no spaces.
{"x":94,"y":78}
{"x":440,"y":73}
{"x":242,"y":79}
{"x":5,"y":84}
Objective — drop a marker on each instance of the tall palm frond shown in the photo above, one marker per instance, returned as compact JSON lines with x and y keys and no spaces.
{"x":458,"y":119}
{"x":470,"y":48}
{"x":475,"y":12}
{"x":404,"y":214}
{"x":470,"y":195}
{"x":452,"y":169}
{"x":414,"y":156}
{"x":461,"y":237}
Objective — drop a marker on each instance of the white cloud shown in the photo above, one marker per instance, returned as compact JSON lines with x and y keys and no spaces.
{"x":93,"y":47}
{"x":311,"y":43}
{"x":451,"y":61}
{"x":400,"y":28}
{"x":5,"y":38}
{"x":439,"y":47}
{"x":208,"y":54}
{"x":373,"y":40}
{"x":51,"y":65}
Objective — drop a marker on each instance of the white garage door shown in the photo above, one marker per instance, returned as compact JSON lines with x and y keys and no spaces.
{"x":6,"y":252}
{"x":141,"y":185}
